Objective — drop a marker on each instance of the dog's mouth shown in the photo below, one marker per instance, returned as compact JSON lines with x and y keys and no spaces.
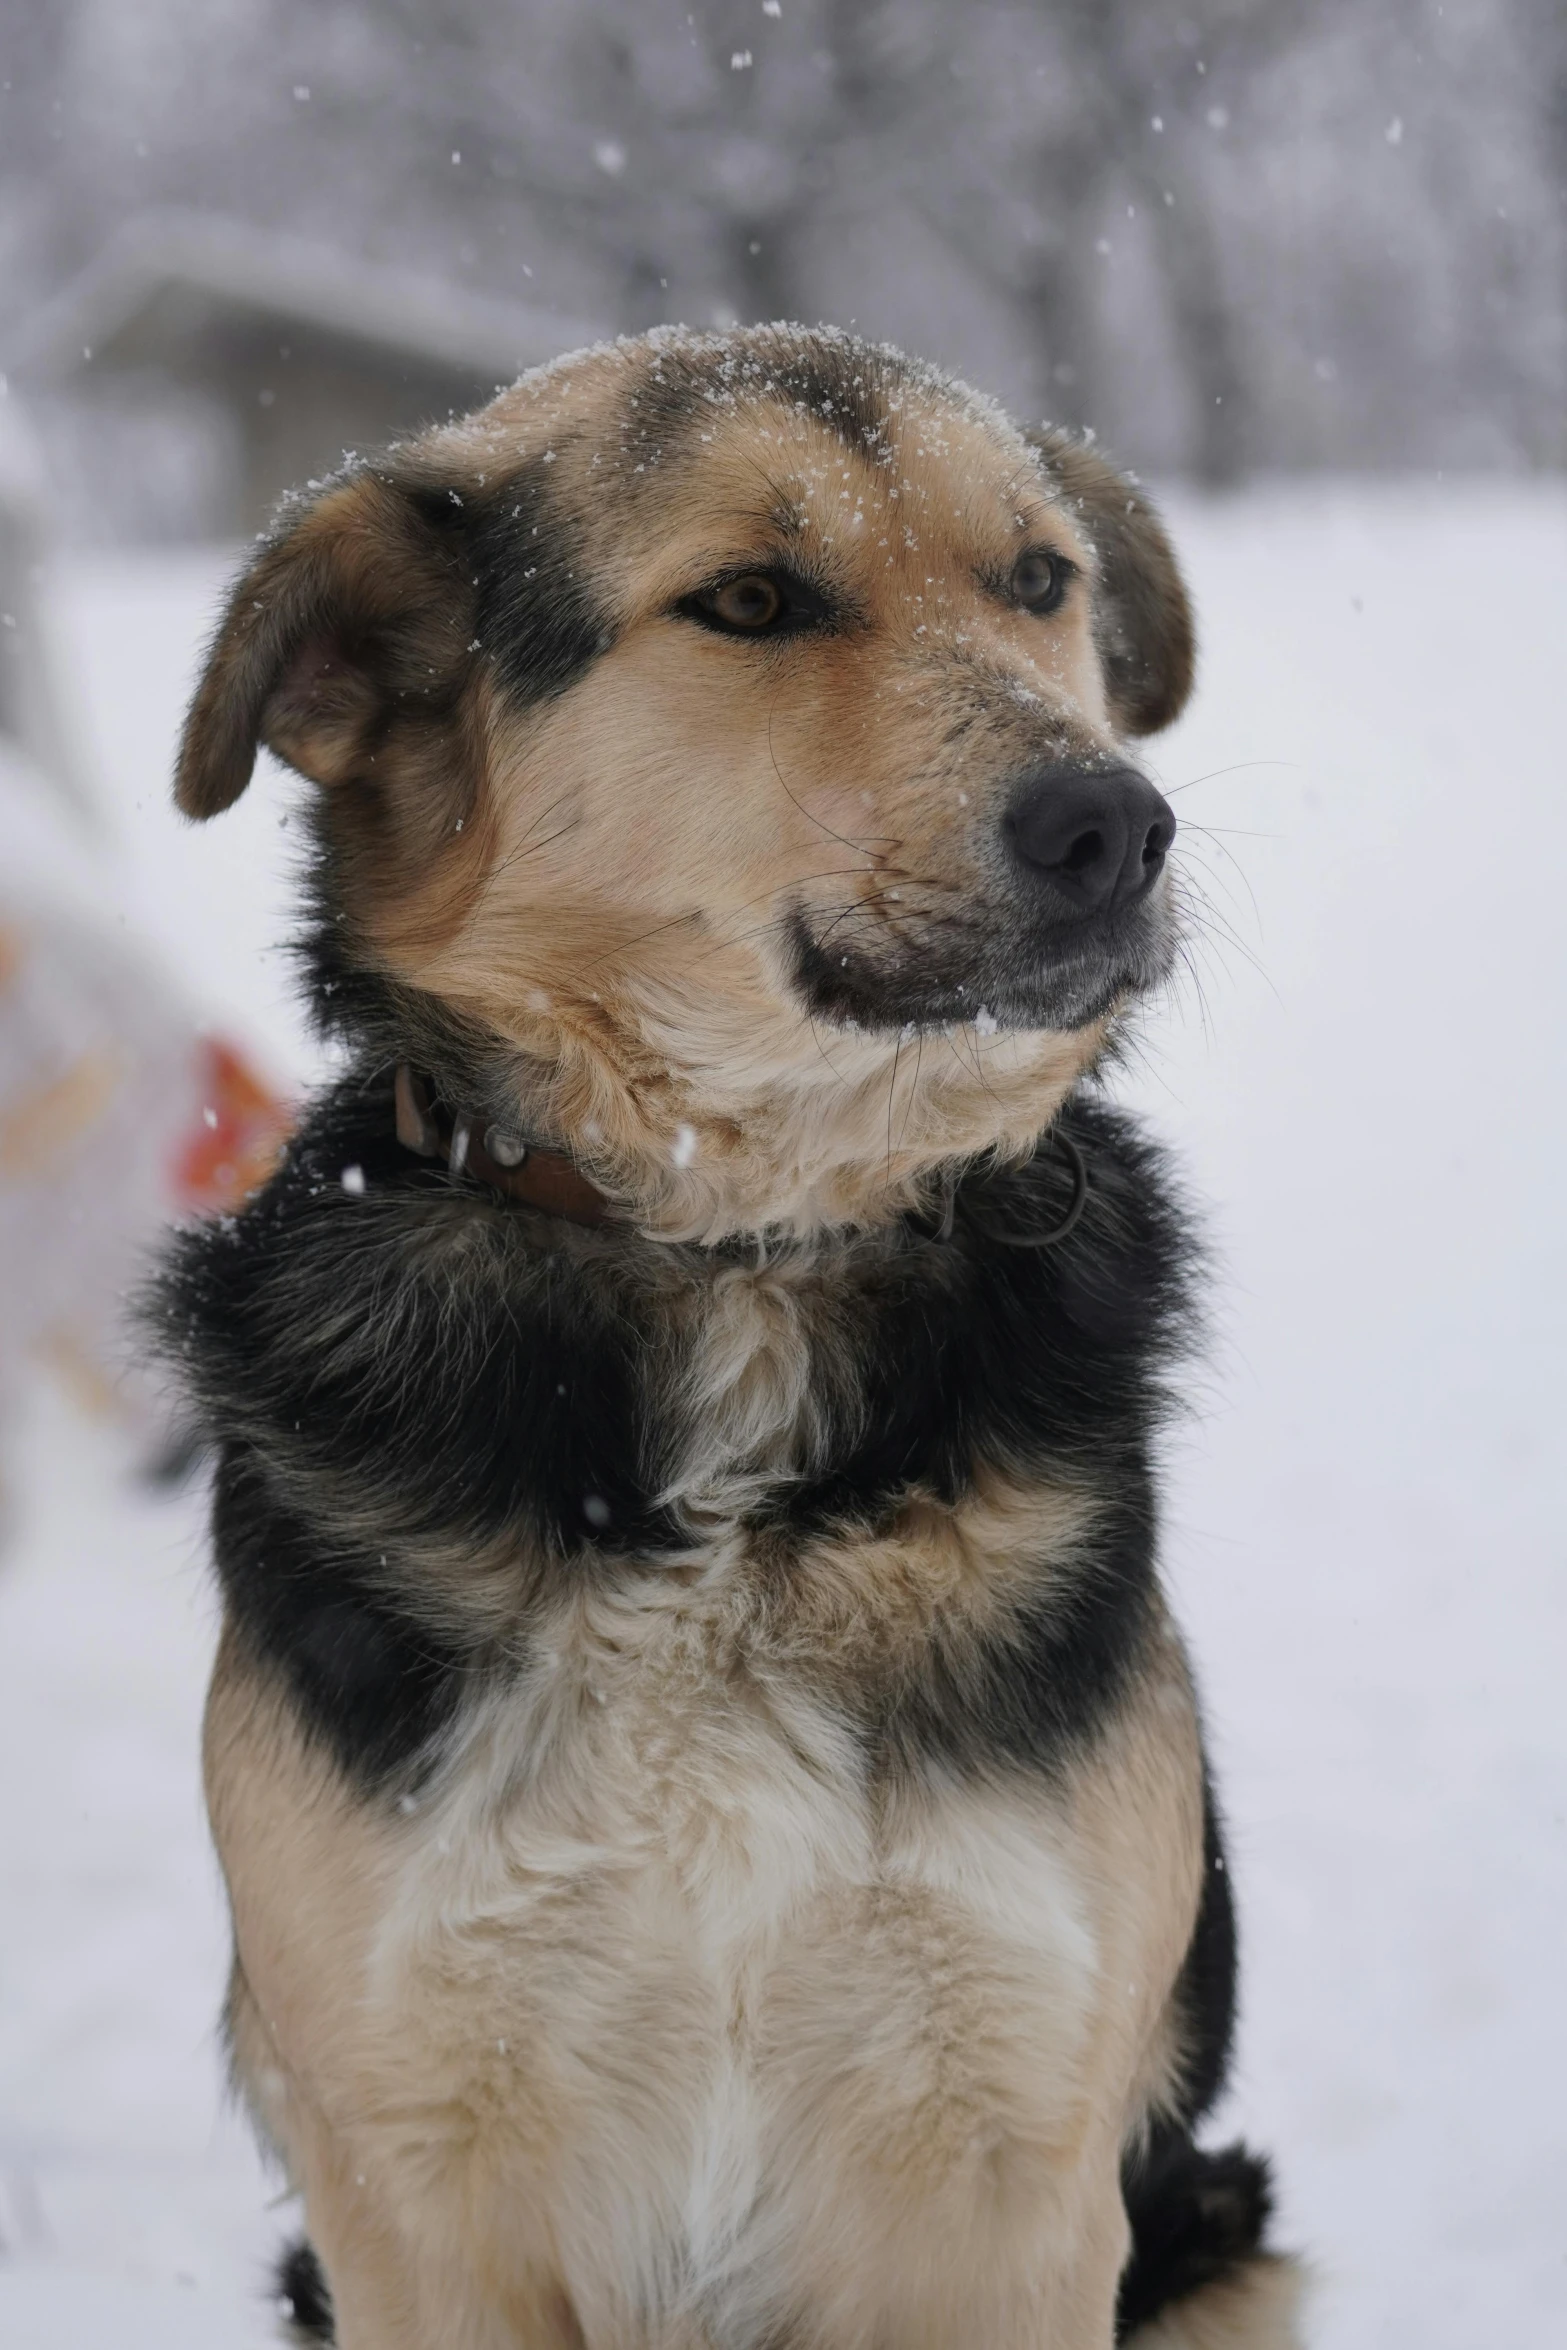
{"x":998,"y":971}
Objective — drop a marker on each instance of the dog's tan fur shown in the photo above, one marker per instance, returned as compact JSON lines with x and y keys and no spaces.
{"x":650,"y":2020}
{"x":830,"y":2016}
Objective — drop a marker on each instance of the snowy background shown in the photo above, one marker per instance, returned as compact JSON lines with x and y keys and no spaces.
{"x":1230,"y":235}
{"x":1305,"y":263}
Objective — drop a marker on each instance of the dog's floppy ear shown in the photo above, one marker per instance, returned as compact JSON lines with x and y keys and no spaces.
{"x":354,"y":622}
{"x":1143,"y":620}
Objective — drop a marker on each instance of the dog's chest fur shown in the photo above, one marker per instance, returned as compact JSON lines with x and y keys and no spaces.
{"x":656,"y":1944}
{"x":689,"y":1939}
{"x":728,"y":1699}
{"x":754,"y":1392}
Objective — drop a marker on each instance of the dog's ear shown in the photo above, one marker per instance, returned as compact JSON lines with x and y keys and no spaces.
{"x":1143,"y":618}
{"x":349,"y":634}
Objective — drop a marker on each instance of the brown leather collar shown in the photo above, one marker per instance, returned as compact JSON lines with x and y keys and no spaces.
{"x":520,"y":1170}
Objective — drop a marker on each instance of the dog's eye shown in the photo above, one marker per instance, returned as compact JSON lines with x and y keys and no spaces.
{"x":755,"y":603}
{"x":1039,"y":580}
{"x":752,"y":604}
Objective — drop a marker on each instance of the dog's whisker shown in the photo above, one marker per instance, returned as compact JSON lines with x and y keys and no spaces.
{"x":892,"y":1087}
{"x":870,"y":900}
{"x":520,"y":856}
{"x":862,"y":908}
{"x":1240,"y":767}
{"x":1189,"y":824}
{"x":816,"y":1039}
{"x":725,"y":937}
{"x":1212,"y":837}
{"x":1188,"y":962}
{"x":861,"y":848}
{"x":1209,"y":927}
{"x":1204,"y":879}
{"x":968,"y":1035}
{"x":914,"y":1083}
{"x":545,"y":813}
{"x":706,"y":914}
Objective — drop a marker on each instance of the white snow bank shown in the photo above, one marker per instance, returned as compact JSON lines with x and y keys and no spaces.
{"x":1366,"y":1533}
{"x":128,"y":2191}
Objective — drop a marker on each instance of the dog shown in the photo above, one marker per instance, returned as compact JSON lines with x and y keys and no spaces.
{"x":711,"y":1797}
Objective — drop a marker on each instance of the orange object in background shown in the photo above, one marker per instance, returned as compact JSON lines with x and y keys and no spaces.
{"x":238,"y":1136}
{"x":118,"y":1112}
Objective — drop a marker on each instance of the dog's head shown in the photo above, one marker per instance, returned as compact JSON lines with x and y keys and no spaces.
{"x":729,"y":731}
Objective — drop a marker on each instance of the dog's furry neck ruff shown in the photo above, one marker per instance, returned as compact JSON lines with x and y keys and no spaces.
{"x":550,"y":1183}
{"x":856,"y":1132}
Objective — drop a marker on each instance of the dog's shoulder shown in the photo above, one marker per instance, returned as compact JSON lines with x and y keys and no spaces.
{"x":394,"y":1342}
{"x":1033,"y":1328}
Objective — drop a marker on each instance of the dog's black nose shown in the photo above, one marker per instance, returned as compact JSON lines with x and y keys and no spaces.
{"x":1098,"y":835}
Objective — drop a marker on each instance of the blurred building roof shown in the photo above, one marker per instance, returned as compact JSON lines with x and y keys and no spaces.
{"x":296,"y":351}
{"x":171,"y":281}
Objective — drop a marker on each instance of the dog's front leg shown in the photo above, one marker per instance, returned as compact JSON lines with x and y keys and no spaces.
{"x":413,"y":2253}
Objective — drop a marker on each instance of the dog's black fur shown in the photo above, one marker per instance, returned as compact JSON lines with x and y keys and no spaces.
{"x":304,"y":2296}
{"x":421,"y":1363}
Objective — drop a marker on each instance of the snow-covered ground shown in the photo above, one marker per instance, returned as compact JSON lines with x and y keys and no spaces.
{"x":1366,"y":1522}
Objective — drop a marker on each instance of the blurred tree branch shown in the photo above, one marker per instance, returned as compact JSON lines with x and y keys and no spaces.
{"x":1338,"y":227}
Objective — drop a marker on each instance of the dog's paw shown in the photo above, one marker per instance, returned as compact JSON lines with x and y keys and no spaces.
{"x":1255,"y":2308}
{"x":304,"y":2297}
{"x":1202,"y":2275}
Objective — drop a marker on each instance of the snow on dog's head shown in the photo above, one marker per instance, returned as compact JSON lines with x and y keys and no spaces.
{"x":729,"y":731}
